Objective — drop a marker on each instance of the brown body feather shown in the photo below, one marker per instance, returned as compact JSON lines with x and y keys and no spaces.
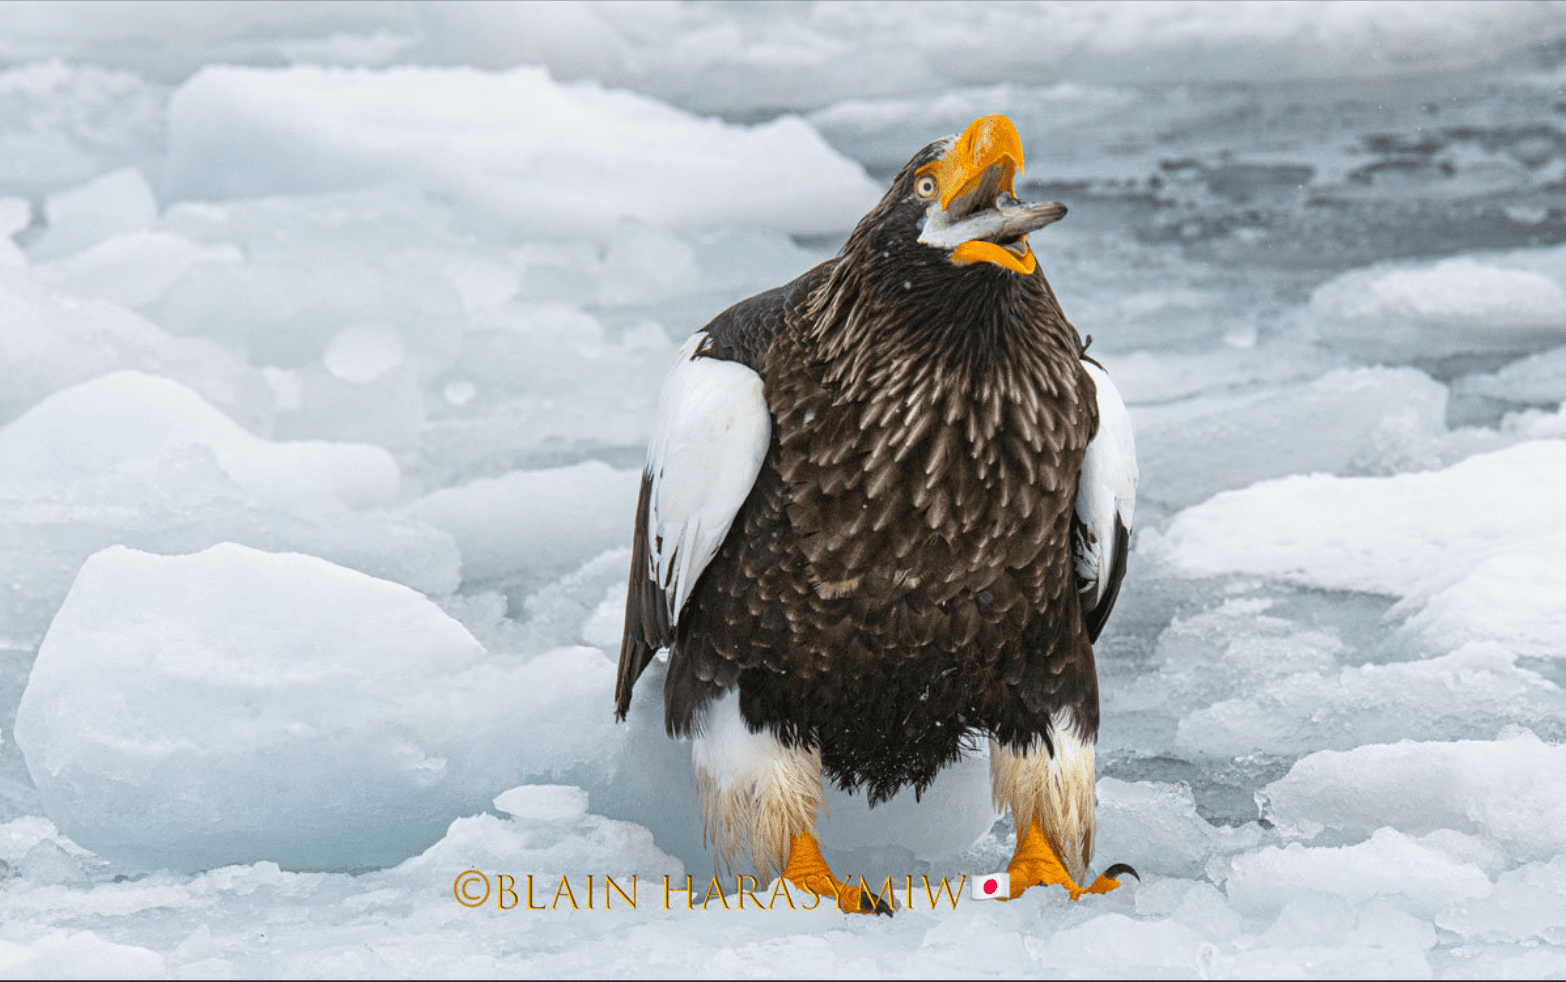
{"x":899,"y":580}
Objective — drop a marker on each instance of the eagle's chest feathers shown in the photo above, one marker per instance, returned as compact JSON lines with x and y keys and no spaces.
{"x":917,"y":476}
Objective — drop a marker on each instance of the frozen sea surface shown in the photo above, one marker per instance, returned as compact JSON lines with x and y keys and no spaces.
{"x":330,"y":341}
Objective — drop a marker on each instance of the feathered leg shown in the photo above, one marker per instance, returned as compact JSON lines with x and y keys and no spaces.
{"x":1052,"y":798}
{"x":760,"y":799}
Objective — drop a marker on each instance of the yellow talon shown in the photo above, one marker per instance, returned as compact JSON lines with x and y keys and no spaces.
{"x":808,"y":870}
{"x":1103,"y":884}
{"x":1035,"y":863}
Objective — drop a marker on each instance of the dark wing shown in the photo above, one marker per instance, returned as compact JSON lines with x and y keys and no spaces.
{"x":1106,"y":498}
{"x":710,"y":437}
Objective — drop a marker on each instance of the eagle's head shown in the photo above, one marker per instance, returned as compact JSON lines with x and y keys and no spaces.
{"x":953,"y":208}
{"x":942,"y":265}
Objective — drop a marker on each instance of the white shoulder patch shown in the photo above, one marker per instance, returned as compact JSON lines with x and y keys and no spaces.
{"x":711,"y":435}
{"x":1106,"y":491}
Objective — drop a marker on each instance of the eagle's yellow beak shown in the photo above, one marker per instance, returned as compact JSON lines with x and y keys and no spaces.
{"x":979,"y":167}
{"x":988,"y":141}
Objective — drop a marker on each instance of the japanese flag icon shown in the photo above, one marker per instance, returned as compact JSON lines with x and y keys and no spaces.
{"x":992,"y":886}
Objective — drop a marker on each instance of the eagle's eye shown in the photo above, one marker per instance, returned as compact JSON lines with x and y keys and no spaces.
{"x":924,"y":186}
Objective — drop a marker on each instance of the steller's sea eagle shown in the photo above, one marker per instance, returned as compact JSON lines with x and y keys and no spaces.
{"x":886,"y":510}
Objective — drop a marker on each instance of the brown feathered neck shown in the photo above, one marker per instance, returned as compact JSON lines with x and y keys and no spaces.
{"x":892,"y":308}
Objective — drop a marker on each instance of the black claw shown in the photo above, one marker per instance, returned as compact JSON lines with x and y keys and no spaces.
{"x":879,"y":907}
{"x":1114,"y":872}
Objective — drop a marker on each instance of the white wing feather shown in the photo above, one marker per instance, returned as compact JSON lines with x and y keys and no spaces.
{"x":711,"y":435}
{"x":1106,"y":491}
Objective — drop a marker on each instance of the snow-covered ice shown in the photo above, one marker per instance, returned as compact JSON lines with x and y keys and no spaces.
{"x":331,"y":337}
{"x":232,"y":678}
{"x":1400,"y":535}
{"x":1344,"y":421}
{"x":1453,"y":306}
{"x":534,"y":525}
{"x":1505,"y":791}
{"x":520,"y":154}
{"x":127,"y":426}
